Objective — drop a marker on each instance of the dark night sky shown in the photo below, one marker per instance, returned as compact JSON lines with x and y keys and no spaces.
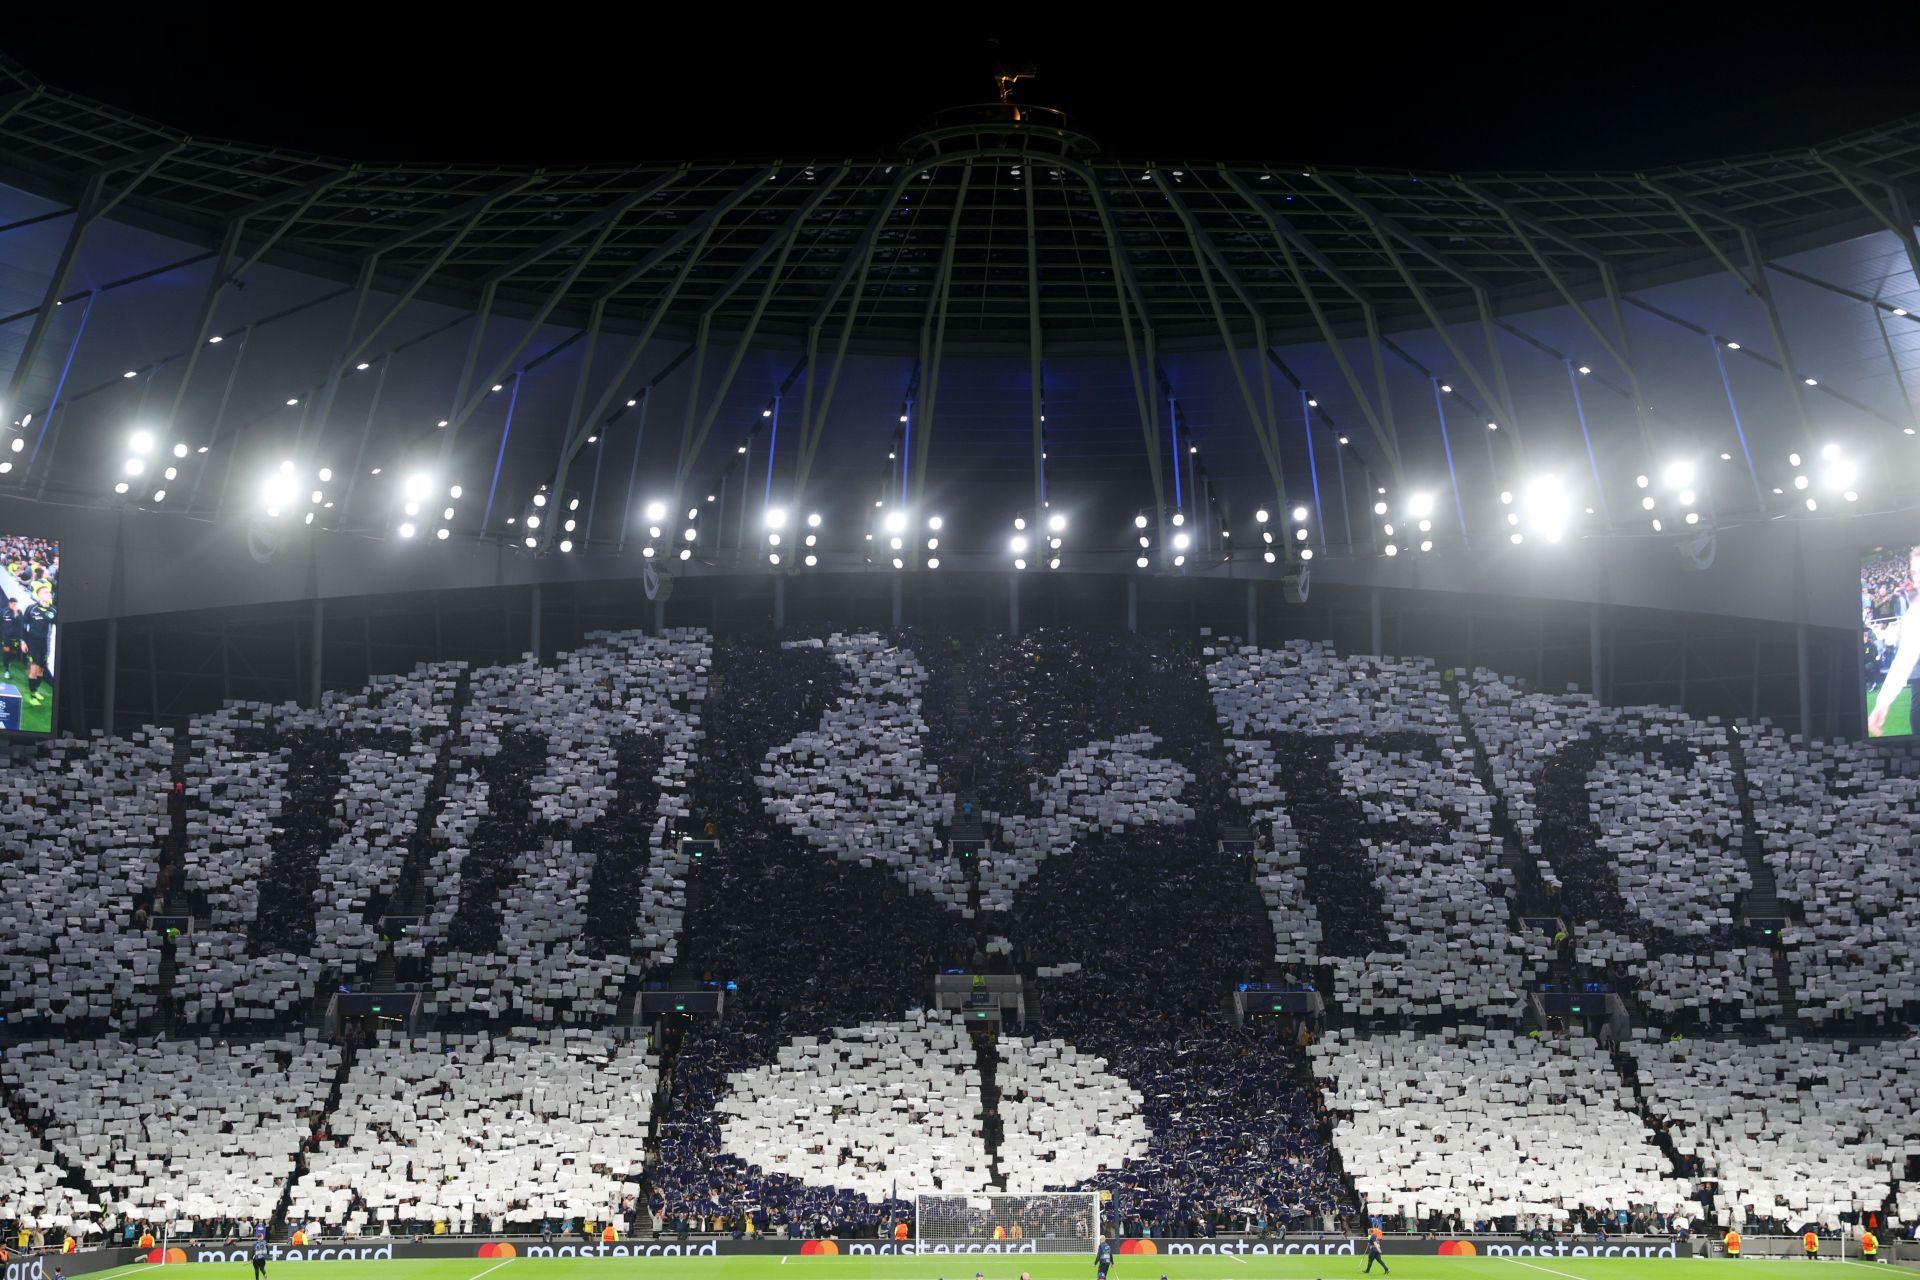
{"x":1438,"y":87}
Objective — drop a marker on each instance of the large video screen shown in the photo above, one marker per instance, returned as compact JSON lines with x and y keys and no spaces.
{"x":29,"y":640}
{"x":1890,"y":638}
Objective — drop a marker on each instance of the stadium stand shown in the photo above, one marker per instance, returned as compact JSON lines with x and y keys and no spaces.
{"x":31,"y":1191}
{"x":1634,"y":814}
{"x":1403,"y":820}
{"x":181,"y":1132}
{"x":1838,"y":823}
{"x":82,"y":824}
{"x":1482,"y":1122}
{"x":493,"y":1132}
{"x":1377,"y":852}
{"x":1791,"y":1129}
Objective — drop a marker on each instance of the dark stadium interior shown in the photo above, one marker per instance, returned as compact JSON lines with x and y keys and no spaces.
{"x":1126,"y":661}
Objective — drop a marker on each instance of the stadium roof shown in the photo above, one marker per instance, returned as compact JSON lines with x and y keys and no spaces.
{"x":1090,"y":281}
{"x":982,"y":194}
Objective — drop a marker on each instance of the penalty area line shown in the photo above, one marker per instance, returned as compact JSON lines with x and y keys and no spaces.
{"x":1230,"y":1258}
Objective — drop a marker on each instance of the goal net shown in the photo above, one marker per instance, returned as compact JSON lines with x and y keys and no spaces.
{"x":1052,"y":1222}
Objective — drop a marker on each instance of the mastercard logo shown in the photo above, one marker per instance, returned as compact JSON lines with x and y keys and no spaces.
{"x":166,"y":1255}
{"x":498,"y":1249}
{"x":1139,"y":1246}
{"x":820,"y":1247}
{"x":1458,"y":1248}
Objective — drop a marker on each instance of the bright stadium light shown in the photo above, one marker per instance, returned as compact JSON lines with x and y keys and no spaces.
{"x":656,"y":510}
{"x":1056,"y":523}
{"x":935,"y":523}
{"x":1017,"y":545}
{"x":1260,"y":516}
{"x":776,"y":518}
{"x":1140,"y":521}
{"x":141,"y":442}
{"x":895,"y":522}
{"x":813,"y":520}
{"x":1547,"y":507}
{"x":1678,"y":474}
{"x":1420,"y":505}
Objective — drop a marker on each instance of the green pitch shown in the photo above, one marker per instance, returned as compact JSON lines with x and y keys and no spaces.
{"x":1899,"y":717}
{"x":963,"y":1267}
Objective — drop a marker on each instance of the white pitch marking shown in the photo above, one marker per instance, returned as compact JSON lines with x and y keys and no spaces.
{"x":490,"y":1270}
{"x":1549,"y":1270}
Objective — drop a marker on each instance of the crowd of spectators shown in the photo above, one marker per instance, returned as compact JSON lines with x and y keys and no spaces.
{"x":1376,"y":852}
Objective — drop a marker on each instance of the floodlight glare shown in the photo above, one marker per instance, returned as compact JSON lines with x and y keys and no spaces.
{"x":656,"y":511}
{"x":135,"y":466}
{"x":418,"y":486}
{"x":813,"y":520}
{"x":1056,"y":523}
{"x":1546,"y":505}
{"x":1181,"y":541}
{"x":776,"y":518}
{"x":141,"y":442}
{"x":895,"y":522}
{"x":1140,"y":522}
{"x":1260,"y":516}
{"x":406,"y":530}
{"x":1678,"y":475}
{"x":1017,"y":545}
{"x":935,"y":523}
{"x":1420,"y":506}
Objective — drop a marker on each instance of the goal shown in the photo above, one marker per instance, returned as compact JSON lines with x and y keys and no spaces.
{"x":1052,"y":1222}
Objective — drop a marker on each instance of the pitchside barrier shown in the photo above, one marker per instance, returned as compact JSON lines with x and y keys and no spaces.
{"x":380,"y":1249}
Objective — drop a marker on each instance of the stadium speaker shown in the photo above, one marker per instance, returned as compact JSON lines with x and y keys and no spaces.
{"x":1294,"y":585}
{"x":658,"y":581}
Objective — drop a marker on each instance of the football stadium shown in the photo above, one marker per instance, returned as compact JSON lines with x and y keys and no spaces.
{"x":994,"y":706}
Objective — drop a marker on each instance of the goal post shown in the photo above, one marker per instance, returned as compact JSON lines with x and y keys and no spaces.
{"x":1042,"y":1222}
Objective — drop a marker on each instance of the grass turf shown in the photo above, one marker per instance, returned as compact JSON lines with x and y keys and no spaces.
{"x":1899,"y":716}
{"x":963,"y":1267}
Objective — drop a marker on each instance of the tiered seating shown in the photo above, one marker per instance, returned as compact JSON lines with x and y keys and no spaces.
{"x":870,"y":1108}
{"x":80,"y":833}
{"x":569,"y":724}
{"x":1066,"y":1117}
{"x":486,"y":1130}
{"x":1792,"y":1129}
{"x":1103,"y":789}
{"x":177,"y":1131}
{"x":1840,"y":824}
{"x":1485,"y":1122}
{"x":30,"y":1189}
{"x":859,"y":785}
{"x":1634,"y":817}
{"x":1377,"y":853}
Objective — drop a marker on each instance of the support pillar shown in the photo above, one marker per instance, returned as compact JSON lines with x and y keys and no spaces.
{"x":112,"y":677}
{"x":1373,"y":611}
{"x":1013,"y":606}
{"x":533,"y":619}
{"x":314,"y":664}
{"x":896,"y":602}
{"x":1253,"y":613}
{"x":1133,"y":606}
{"x":1800,"y":664}
{"x":659,"y":617}
{"x":780,"y":601}
{"x":1593,"y":650}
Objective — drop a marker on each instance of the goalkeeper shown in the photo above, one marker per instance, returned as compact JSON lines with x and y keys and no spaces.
{"x":1103,"y":1258}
